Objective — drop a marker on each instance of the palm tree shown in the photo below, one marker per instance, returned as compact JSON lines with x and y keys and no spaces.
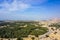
{"x":33,"y":38}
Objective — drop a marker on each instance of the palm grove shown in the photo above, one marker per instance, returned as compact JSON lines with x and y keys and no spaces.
{"x":14,"y":30}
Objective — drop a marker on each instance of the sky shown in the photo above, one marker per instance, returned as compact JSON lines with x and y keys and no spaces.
{"x":29,"y":9}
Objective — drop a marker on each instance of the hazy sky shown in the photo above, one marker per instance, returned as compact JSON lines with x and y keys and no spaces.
{"x":29,"y":9}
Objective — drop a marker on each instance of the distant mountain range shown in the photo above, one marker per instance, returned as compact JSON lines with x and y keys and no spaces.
{"x":53,"y":20}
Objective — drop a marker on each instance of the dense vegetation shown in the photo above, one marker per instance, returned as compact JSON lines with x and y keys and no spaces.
{"x":17,"y":29}
{"x":57,"y":25}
